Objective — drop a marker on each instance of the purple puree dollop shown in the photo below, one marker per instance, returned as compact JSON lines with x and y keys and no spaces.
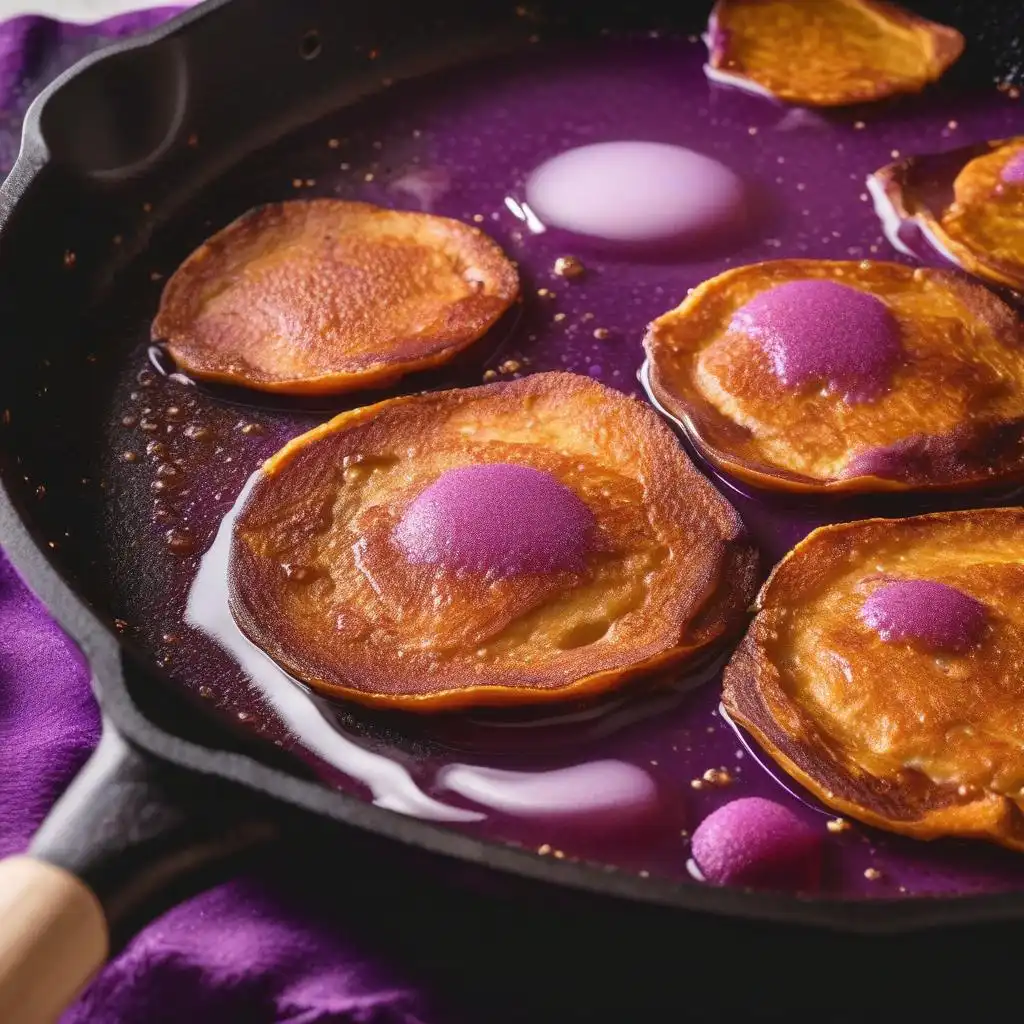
{"x":759,"y":843}
{"x":918,"y":455}
{"x":932,"y":613}
{"x":824,"y":332}
{"x":1013,"y":171}
{"x":499,"y":519}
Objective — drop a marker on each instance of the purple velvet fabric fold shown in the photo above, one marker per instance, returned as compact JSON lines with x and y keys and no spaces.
{"x":243,"y":952}
{"x":246,"y":951}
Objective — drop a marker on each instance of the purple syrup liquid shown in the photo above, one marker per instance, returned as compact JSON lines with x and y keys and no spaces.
{"x":463,"y":144}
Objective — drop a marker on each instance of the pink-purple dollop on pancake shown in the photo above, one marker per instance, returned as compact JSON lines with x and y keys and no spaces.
{"x":499,"y":519}
{"x":758,"y":843}
{"x":932,"y":613}
{"x":1013,"y":171}
{"x":917,"y":456}
{"x":824,"y":333}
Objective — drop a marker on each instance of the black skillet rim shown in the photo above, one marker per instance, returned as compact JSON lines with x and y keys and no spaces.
{"x":881,"y":916}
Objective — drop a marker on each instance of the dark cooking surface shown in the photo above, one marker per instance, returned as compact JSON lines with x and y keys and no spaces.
{"x":179,"y":455}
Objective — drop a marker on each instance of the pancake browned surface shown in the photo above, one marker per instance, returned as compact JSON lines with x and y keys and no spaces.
{"x":826,"y":53}
{"x":950,"y":416}
{"x":920,"y":741}
{"x":320,"y":584}
{"x":965,"y":206}
{"x":324,"y":296}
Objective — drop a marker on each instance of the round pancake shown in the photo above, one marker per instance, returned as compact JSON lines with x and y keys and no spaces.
{"x":520,"y":542}
{"x":813,"y":375}
{"x":827,"y":53}
{"x":325,"y":296}
{"x":882,"y":671}
{"x":968,"y":203}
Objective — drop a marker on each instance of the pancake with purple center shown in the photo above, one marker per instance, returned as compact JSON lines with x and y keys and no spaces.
{"x":826,"y":53}
{"x":521,"y":542}
{"x":882,"y":671}
{"x":821,"y":375}
{"x":966,"y":204}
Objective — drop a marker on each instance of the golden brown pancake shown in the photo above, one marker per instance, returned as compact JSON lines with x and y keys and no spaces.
{"x":811,"y":375}
{"x":827,"y":53}
{"x":967,"y":203}
{"x":883,"y":671}
{"x":324,"y":296}
{"x":521,"y":542}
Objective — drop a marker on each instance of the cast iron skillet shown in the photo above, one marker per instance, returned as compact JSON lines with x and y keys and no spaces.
{"x":173,"y":799}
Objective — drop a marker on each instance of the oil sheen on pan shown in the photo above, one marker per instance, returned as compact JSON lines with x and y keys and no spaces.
{"x":616,"y":178}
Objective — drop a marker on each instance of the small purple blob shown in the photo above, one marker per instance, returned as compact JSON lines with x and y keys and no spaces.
{"x":824,"y":332}
{"x":932,"y":613}
{"x":1013,"y":170}
{"x":758,"y":843}
{"x":499,"y":519}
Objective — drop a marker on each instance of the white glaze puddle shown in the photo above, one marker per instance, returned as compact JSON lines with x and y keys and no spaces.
{"x":602,"y":795}
{"x":890,"y":220}
{"x":207,"y":611}
{"x":635,"y":192}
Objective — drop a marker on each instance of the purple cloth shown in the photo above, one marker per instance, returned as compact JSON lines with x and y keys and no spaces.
{"x":240,"y":952}
{"x":249,"y":951}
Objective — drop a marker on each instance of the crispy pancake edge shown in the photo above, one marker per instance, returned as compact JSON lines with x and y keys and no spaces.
{"x":733,"y":563}
{"x":690,"y":410}
{"x":172,"y":324}
{"x":901,"y":181}
{"x":944,"y":43}
{"x":752,"y":685}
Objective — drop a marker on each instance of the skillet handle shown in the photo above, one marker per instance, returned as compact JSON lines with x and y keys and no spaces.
{"x":53,"y":939}
{"x":131,"y":837}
